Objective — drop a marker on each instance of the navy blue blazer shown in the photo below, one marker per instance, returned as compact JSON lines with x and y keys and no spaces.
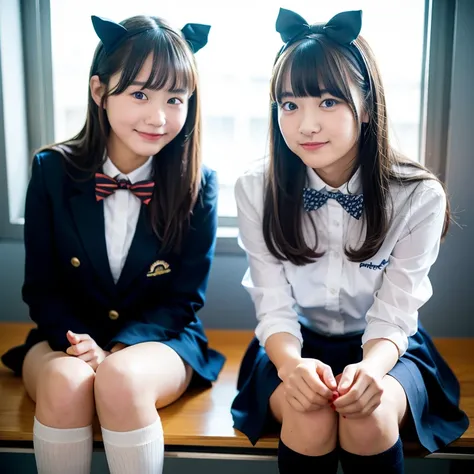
{"x":68,"y":284}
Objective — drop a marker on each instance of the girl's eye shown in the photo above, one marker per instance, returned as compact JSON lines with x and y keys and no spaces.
{"x":288,"y":106}
{"x":330,"y":103}
{"x":139,"y":95}
{"x":175,"y":101}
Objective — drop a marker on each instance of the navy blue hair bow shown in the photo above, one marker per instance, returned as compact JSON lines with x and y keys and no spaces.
{"x":113,"y":34}
{"x":343,"y":28}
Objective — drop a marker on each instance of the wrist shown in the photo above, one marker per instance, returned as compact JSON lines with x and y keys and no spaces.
{"x":283,"y":349}
{"x":374,"y":367}
{"x":380,"y":356}
{"x":288,"y":365}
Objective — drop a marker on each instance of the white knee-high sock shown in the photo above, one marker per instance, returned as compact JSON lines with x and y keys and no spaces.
{"x":132,"y":452}
{"x":62,"y":450}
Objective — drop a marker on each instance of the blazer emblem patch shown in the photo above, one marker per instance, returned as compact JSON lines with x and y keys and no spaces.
{"x":160,"y":267}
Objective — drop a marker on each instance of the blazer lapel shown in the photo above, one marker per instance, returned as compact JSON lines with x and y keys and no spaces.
{"x":89,"y":217}
{"x":143,"y":251}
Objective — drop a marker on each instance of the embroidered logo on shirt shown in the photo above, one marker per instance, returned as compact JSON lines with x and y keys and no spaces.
{"x":372,"y":266}
{"x":160,"y":267}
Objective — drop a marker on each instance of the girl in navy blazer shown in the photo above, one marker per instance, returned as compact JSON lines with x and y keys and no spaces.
{"x":120,"y":227}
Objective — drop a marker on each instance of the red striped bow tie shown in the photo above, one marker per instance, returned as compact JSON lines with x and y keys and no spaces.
{"x":105,"y":186}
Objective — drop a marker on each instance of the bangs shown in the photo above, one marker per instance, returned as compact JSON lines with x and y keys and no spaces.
{"x":172,"y":67}
{"x":307,"y":69}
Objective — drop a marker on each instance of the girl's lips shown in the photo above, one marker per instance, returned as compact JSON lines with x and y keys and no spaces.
{"x":312,"y":145}
{"x":150,"y":136}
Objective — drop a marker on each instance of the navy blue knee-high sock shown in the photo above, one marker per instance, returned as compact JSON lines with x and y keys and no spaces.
{"x":291,"y":462}
{"x":388,"y":462}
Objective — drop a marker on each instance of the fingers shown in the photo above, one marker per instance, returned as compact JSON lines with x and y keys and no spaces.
{"x":347,"y":379}
{"x":355,"y":393}
{"x":315,"y":383}
{"x":359,"y":403}
{"x":88,"y":356}
{"x":299,"y":402}
{"x":328,"y":378}
{"x":294,"y":403}
{"x":81,"y":347}
{"x":305,"y":387}
{"x":74,"y":338}
{"x":306,"y":396}
{"x":370,"y":406}
{"x":94,"y":357}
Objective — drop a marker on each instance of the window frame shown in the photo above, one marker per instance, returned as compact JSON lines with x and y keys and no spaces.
{"x":36,"y":56}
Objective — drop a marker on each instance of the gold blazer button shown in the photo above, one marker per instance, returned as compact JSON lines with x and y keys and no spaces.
{"x":113,"y":315}
{"x":75,"y":262}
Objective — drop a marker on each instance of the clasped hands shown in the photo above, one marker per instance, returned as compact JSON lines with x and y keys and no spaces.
{"x":310,"y":385}
{"x":85,"y":348}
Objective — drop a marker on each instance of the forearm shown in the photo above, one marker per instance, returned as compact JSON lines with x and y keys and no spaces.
{"x":282,"y":348}
{"x":381,"y":354}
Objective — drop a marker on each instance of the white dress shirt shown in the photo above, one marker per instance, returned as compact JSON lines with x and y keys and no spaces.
{"x":121,"y":211}
{"x":332,"y":295}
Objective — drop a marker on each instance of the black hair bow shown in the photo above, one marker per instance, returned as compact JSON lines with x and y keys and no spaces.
{"x":113,"y":34}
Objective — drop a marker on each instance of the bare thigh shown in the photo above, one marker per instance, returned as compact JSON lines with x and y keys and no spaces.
{"x":276,"y":403}
{"x":152,"y":369}
{"x":60,"y":385}
{"x":133,"y":382}
{"x":130,"y":384}
{"x":36,"y":358}
{"x":174,"y":376}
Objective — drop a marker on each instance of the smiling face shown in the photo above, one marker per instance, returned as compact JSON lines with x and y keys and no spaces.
{"x":320,"y":110}
{"x":143,"y":121}
{"x":322,"y":131}
{"x":144,"y":91}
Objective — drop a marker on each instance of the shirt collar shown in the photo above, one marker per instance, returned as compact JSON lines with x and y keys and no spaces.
{"x":142,"y":173}
{"x":353,"y":186}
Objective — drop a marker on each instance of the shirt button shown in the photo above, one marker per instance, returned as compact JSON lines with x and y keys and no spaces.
{"x":113,"y":315}
{"x":333,"y":291}
{"x":75,"y":262}
{"x":336,"y":223}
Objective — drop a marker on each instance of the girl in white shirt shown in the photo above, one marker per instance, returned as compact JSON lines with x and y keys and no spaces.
{"x":340,"y":231}
{"x":120,"y":227}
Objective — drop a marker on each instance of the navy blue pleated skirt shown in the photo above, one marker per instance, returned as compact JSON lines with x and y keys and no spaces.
{"x":191,"y":345}
{"x":431,"y":387}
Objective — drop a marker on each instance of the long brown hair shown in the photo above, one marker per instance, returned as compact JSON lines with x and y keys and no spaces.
{"x":176,"y":169}
{"x":313,"y":61}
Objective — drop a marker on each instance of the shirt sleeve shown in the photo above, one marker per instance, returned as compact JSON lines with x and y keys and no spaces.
{"x":265,"y":278}
{"x":405,"y":284}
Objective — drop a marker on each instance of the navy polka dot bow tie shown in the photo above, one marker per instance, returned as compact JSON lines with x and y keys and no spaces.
{"x":353,"y":204}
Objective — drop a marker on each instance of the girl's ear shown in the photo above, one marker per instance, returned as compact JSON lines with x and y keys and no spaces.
{"x":97,"y":89}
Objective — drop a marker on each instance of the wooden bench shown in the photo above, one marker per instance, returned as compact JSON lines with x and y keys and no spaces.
{"x":200,"y":423}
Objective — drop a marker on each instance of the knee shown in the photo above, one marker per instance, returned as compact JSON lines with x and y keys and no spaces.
{"x":64,"y":384}
{"x":315,"y":429}
{"x":369,"y":435}
{"x":117,"y":387}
